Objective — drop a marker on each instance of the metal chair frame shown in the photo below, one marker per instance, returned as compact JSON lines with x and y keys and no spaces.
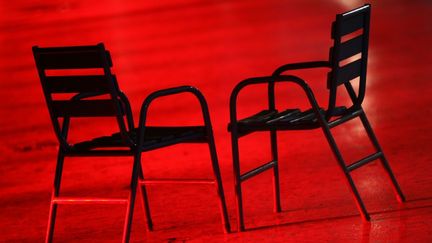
{"x":346,"y":23}
{"x":125,"y":144}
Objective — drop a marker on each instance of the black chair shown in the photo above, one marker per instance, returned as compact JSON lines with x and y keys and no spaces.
{"x":353,"y":25}
{"x":99,"y":96}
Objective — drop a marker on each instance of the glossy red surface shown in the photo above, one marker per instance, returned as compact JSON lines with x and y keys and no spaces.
{"x":213,"y":45}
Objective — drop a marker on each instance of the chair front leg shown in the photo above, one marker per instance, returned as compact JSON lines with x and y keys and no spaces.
{"x":146,"y":203}
{"x":219,"y":185}
{"x":55,"y":193}
{"x":270,"y":80}
{"x":210,"y":140}
{"x":237,"y":179}
{"x":132,"y":195}
{"x":214,"y":159}
{"x":276,"y":184}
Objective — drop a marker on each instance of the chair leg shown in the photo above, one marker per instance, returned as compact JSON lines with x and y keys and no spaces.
{"x":55,"y":193}
{"x":237,"y":181}
{"x":146,"y":204}
{"x":132,"y":195}
{"x":338,"y":155}
{"x":399,"y":194}
{"x":276,"y":184}
{"x":219,"y":186}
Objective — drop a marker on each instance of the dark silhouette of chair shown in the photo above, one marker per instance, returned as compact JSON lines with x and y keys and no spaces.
{"x":353,"y":25}
{"x":99,"y":96}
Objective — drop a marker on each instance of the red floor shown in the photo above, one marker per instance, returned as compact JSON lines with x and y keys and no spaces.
{"x":213,"y":45}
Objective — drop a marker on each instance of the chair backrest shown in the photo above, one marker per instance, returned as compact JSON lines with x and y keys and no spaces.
{"x":73,"y":59}
{"x":349,"y":54}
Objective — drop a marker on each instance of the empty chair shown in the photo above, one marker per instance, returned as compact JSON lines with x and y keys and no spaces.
{"x":347,"y":62}
{"x":98,"y":95}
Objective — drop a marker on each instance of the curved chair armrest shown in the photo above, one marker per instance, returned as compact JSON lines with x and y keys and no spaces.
{"x":66,"y":121}
{"x":167,"y":92}
{"x":123,"y":99}
{"x":301,"y":65}
{"x":269,"y":79}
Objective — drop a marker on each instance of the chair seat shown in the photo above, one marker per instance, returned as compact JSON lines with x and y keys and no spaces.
{"x":154,"y":137}
{"x":290,"y":119}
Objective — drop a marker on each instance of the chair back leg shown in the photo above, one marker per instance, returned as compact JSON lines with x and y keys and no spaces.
{"x":348,"y":168}
{"x":342,"y":164}
{"x":398,"y":191}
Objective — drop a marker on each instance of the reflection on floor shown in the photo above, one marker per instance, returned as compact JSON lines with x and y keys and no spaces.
{"x":213,"y":45}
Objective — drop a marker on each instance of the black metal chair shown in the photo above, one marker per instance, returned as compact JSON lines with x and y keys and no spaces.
{"x":353,"y":25}
{"x":99,"y":96}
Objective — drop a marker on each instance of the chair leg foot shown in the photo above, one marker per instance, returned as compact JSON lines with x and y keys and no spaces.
{"x":223,"y":207}
{"x":51,"y":222}
{"x":227,"y":228}
{"x":239,"y":199}
{"x":219,"y":186}
{"x":396,"y":188}
{"x":276,"y":191}
{"x":365,"y":217}
{"x":359,"y":202}
{"x":127,"y":224}
{"x":241,"y":229}
{"x":145,"y":201}
{"x":55,"y":193}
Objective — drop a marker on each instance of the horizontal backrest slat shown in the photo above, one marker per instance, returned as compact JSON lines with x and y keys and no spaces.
{"x":73,"y":59}
{"x":348,"y":72}
{"x":78,"y":84}
{"x":68,"y":48}
{"x":351,"y":23}
{"x":84,"y":108}
{"x":350,"y":48}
